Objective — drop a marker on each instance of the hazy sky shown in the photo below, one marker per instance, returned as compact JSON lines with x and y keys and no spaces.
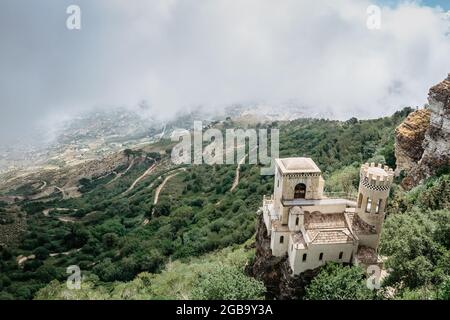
{"x":182,"y":53}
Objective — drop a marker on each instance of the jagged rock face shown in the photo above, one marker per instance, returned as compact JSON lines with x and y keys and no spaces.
{"x":409,"y":138}
{"x":434,"y":147}
{"x":266,"y":267}
{"x":275,"y":272}
{"x":437,"y":139}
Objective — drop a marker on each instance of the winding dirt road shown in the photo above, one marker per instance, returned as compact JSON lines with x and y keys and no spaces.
{"x":146,"y":173}
{"x":118,"y":175}
{"x":238,"y":171}
{"x":161,"y":186}
{"x":47,"y":211}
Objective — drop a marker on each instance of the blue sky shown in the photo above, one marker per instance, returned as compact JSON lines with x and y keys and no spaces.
{"x":445,"y":4}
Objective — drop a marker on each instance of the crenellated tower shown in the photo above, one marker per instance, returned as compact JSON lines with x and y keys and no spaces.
{"x":374,"y":186}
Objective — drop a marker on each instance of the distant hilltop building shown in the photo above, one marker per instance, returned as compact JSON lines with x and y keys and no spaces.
{"x":313,"y":229}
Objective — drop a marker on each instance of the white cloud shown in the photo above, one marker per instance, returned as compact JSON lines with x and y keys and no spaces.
{"x":183,"y":53}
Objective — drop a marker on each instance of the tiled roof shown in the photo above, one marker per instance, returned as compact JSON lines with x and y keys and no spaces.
{"x":319,"y":236}
{"x":319,"y":220}
{"x":327,"y":228}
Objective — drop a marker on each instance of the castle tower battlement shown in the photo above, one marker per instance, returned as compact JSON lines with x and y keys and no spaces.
{"x":376,"y":175}
{"x":374,"y":187}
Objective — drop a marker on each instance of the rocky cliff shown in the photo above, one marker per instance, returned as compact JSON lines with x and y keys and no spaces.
{"x":423,"y":140}
{"x":275,"y":272}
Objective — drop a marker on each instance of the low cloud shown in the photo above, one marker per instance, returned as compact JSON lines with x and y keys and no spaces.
{"x":178,"y":54}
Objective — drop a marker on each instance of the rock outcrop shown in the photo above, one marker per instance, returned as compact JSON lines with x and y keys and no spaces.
{"x":409,"y":138}
{"x":275,"y":272}
{"x":423,"y":139}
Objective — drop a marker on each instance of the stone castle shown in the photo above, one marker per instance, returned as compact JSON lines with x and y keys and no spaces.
{"x":312,"y":229}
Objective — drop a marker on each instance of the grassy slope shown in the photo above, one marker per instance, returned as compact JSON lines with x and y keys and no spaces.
{"x":175,"y":281}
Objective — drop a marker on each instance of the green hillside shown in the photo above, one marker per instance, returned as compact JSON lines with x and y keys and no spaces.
{"x":115,"y":234}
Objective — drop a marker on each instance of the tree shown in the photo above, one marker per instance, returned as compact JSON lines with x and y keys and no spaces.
{"x":41,"y":253}
{"x":336,"y":282}
{"x":128,"y":153}
{"x":107,"y":271}
{"x":228,"y":283}
{"x":154,"y":155}
{"x":162,"y":209}
{"x":444,"y":290}
{"x":110,"y":239}
{"x":344,"y":180}
{"x":77,"y":236}
{"x":6,"y":296}
{"x":411,"y":242}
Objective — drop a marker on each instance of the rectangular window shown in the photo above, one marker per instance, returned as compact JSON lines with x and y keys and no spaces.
{"x":369,"y":205}
{"x":340,"y":255}
{"x":281,"y":239}
{"x":378,"y":206}
{"x":304,"y":257}
{"x":321,"y":256}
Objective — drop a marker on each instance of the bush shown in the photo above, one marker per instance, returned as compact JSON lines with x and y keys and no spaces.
{"x":228,"y":283}
{"x":41,"y":253}
{"x":336,"y":282}
{"x":444,"y":290}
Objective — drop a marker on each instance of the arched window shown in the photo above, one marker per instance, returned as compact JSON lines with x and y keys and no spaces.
{"x":300,"y":191}
{"x":304,"y":257}
{"x":297,"y":221}
{"x":321,"y":256}
{"x":281,"y":239}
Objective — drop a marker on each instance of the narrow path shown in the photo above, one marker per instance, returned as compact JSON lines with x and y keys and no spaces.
{"x":44,"y":193}
{"x":47,"y":211}
{"x":159,"y":189}
{"x":161,"y":186}
{"x":68,"y":219}
{"x":118,"y":175}
{"x":238,"y":170}
{"x":105,"y":175}
{"x":236,"y":177}
{"x":148,"y":187}
{"x":22,"y":259}
{"x":43,"y":185}
{"x":64,"y":253}
{"x":62,"y":192}
{"x":146,"y":173}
